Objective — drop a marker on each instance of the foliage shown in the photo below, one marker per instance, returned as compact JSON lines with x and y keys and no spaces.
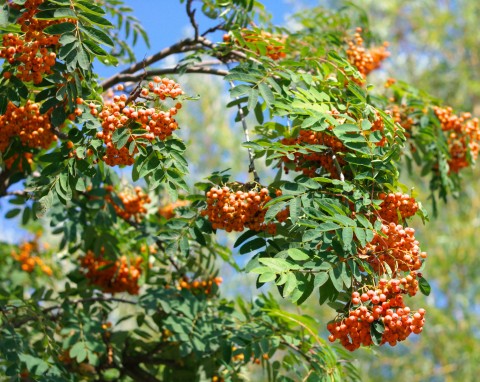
{"x":333,"y":220}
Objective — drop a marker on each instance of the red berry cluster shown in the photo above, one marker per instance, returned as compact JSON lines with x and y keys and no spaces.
{"x":397,"y":247}
{"x":463,"y":136}
{"x":33,"y":50}
{"x":395,"y":204}
{"x":133,"y":203}
{"x":236,"y":210}
{"x":121,"y":111}
{"x":112,"y":276}
{"x":365,"y":60}
{"x":28,"y":124}
{"x":383,"y":305}
{"x":309,"y":163}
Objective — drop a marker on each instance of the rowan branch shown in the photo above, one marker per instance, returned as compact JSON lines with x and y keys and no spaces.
{"x":182,"y":46}
{"x":45,"y":311}
{"x":185,"y":45}
{"x":337,"y":166}
{"x":251,"y":167}
{"x":171,"y":70}
{"x":191,"y":16}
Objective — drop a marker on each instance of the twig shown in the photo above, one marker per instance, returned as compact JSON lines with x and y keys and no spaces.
{"x":59,"y":134}
{"x":213,"y":29}
{"x":75,"y":302}
{"x":182,"y":46}
{"x":171,"y":70}
{"x":251,"y":167}
{"x":337,"y":166}
{"x":159,"y":244}
{"x":191,"y":16}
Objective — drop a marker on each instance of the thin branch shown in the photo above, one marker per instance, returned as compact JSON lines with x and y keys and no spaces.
{"x":251,"y":167}
{"x":214,"y":29}
{"x":172,"y":70}
{"x":191,"y":16}
{"x":59,"y":134}
{"x":134,"y":371}
{"x":45,"y":311}
{"x":181,"y":46}
{"x":4,"y":182}
{"x":337,"y":166}
{"x":159,"y":244}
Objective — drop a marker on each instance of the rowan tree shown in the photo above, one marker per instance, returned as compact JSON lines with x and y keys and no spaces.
{"x":132,"y":291}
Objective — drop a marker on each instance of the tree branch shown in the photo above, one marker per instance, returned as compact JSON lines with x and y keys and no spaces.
{"x":45,"y":311}
{"x":251,"y":167}
{"x":173,"y":70}
{"x":191,"y":16}
{"x":182,"y":46}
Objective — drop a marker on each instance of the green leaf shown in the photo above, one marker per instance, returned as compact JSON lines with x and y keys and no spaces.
{"x":267,"y":277}
{"x":12,"y":213}
{"x":252,"y":98}
{"x":336,"y":278}
{"x":252,"y":245}
{"x":244,"y":237}
{"x":295,"y":209}
{"x":93,"y":48}
{"x":266,"y":93}
{"x":60,"y":28}
{"x":95,"y":19}
{"x":277,"y":265}
{"x":347,"y":237}
{"x":79,"y":352}
{"x":424,"y":286}
{"x":89,"y":6}
{"x":83,"y":58}
{"x":290,"y":284}
{"x":376,"y":332}
{"x":297,"y":254}
{"x":98,"y":35}
{"x":320,"y":279}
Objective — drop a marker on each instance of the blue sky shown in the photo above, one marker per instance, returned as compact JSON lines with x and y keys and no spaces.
{"x":166,"y":21}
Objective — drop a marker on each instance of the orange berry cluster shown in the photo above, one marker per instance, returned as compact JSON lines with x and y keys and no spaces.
{"x":168,"y":211}
{"x":463,"y":137}
{"x":25,"y":122}
{"x":112,"y":276}
{"x":395,"y":204}
{"x":9,"y":162}
{"x":235,"y":211}
{"x":198,"y":286}
{"x":133,"y":203}
{"x":29,"y":260}
{"x":400,"y":116}
{"x":276,"y":44}
{"x":309,"y":163}
{"x":379,"y":125}
{"x":365,"y":60}
{"x":396,"y":247}
{"x":32,"y":50}
{"x":385,"y":305}
{"x":116,"y":114}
